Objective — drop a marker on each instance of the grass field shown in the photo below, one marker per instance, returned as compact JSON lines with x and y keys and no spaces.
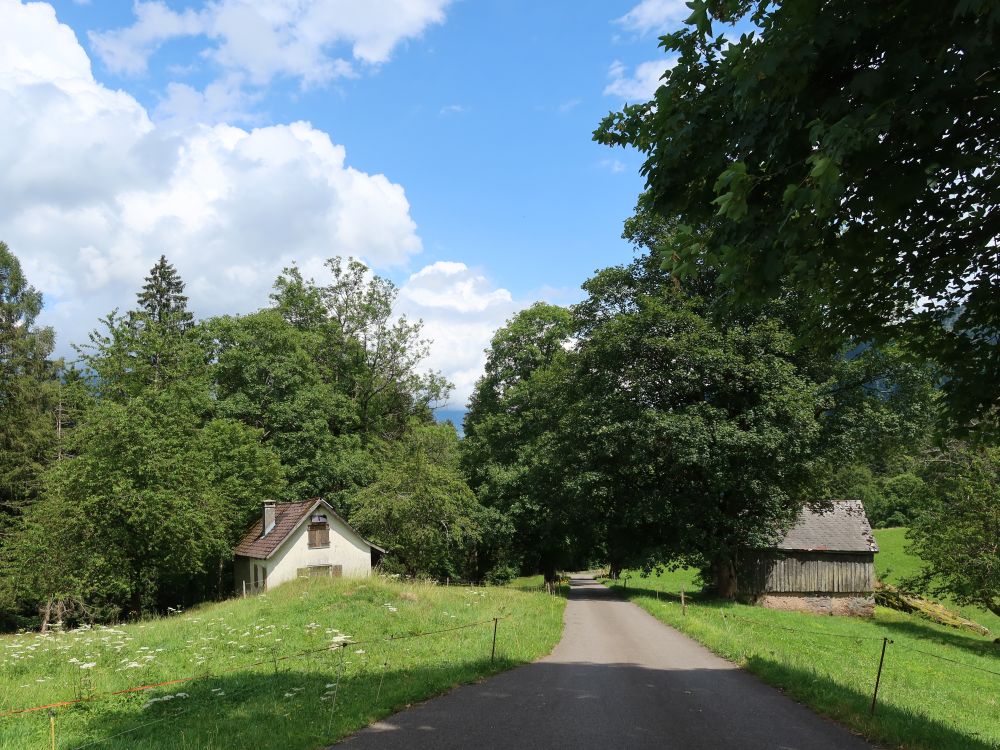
{"x":830,"y":663}
{"x":893,"y":563}
{"x":248,"y":693}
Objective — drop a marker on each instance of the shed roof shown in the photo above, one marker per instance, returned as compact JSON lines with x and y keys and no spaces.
{"x":287,"y":517}
{"x":842,"y":528}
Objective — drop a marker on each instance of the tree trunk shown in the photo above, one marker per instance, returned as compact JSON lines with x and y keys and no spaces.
{"x":724,"y":578}
{"x":614,"y":571}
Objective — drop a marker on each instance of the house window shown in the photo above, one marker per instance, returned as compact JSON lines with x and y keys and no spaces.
{"x":319,"y":533}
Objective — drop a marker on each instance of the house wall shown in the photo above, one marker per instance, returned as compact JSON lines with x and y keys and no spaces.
{"x":346,"y":549}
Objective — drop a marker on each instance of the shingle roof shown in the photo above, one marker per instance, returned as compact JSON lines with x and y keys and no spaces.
{"x":844,"y":528}
{"x":287,"y":517}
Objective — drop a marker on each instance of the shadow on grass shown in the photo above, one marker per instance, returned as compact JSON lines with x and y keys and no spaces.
{"x":916,"y":629}
{"x":287,"y":709}
{"x":890,"y":724}
{"x":543,"y":704}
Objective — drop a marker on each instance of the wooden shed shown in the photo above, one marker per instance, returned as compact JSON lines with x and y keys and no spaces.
{"x":824,"y":564}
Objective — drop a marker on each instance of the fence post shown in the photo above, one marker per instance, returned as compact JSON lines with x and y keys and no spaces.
{"x":878,"y":677}
{"x":493,"y":653}
{"x":244,"y":589}
{"x":684,"y":607}
{"x":52,"y":728}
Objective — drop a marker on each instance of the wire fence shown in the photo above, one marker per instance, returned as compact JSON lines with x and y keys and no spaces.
{"x":261,"y":662}
{"x":884,"y":640}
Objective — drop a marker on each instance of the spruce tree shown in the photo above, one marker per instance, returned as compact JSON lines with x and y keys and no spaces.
{"x":27,"y":384}
{"x":162,"y":297}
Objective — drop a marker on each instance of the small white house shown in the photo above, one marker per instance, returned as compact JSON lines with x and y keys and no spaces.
{"x":307,"y":538}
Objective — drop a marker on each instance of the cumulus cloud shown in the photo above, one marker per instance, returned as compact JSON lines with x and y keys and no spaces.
{"x":92,"y":191}
{"x":641,"y":83}
{"x":263,"y":39}
{"x":461,"y":310}
{"x":655,"y":15}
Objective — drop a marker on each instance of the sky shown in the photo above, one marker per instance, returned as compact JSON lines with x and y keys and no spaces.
{"x":446,"y":143}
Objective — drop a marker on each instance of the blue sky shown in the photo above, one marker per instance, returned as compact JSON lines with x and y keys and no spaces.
{"x":477,"y":114}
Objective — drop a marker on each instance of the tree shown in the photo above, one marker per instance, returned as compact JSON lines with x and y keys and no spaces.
{"x":703,"y":437}
{"x":846,"y":151}
{"x":365,"y":350}
{"x":28,"y":387}
{"x":267,"y":375}
{"x":162,"y":297}
{"x":509,"y":453}
{"x":152,"y":347}
{"x":957,"y":533}
{"x":419,"y":507}
{"x":144,"y":512}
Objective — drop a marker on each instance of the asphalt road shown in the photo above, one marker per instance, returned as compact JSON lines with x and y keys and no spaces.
{"x":618,"y":679}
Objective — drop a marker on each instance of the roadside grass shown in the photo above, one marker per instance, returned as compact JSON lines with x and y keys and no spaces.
{"x":537,"y":583}
{"x":249,"y":691}
{"x":830,"y":664}
{"x":893,"y":563}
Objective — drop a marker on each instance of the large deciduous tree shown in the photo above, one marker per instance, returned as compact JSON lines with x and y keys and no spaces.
{"x":847,"y":151}
{"x":419,"y":507}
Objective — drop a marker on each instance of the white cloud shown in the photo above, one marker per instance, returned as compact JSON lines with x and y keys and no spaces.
{"x":453,"y":109}
{"x":640,"y":84}
{"x":262,"y":39}
{"x":655,"y":15}
{"x":461,"y":310}
{"x":92,"y":190}
{"x":613,"y":165}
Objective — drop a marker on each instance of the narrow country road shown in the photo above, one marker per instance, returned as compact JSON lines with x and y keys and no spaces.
{"x":618,"y":679}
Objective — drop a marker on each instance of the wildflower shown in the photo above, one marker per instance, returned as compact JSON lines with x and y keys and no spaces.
{"x":88,"y":665}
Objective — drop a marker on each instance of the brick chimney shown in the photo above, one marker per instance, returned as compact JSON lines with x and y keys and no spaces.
{"x":268,"y":517}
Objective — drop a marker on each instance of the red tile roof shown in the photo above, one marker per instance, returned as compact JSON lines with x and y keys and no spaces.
{"x":287,"y":517}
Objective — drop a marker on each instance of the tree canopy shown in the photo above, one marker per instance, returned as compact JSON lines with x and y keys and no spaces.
{"x":847,"y":151}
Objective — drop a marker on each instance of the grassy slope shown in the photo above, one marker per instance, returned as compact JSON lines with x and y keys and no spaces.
{"x":283,"y":704}
{"x":893,"y":563}
{"x":924,"y":702}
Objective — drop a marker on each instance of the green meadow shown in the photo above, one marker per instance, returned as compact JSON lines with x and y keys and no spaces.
{"x":940,"y":687}
{"x":893,"y":564}
{"x":251,"y":690}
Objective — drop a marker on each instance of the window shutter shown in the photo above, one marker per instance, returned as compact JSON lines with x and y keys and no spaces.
{"x":319,"y":535}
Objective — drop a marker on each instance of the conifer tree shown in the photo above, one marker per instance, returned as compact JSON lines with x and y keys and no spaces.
{"x":27,"y":384}
{"x":162,"y":297}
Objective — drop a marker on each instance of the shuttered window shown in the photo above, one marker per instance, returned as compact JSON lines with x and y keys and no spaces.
{"x":319,"y":535}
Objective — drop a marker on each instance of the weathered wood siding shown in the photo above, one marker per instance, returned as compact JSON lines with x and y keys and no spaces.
{"x":811,"y":572}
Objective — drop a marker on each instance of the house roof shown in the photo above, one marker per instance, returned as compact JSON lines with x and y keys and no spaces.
{"x":287,"y":517}
{"x":842,"y":528}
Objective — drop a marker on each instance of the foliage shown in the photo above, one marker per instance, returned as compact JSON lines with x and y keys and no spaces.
{"x":957,"y":535}
{"x":509,"y":454}
{"x":843,"y":150}
{"x":894,"y":564}
{"x":420,"y":508}
{"x":239,"y":699}
{"x":149,"y":500}
{"x":28,"y":389}
{"x":369,"y":354}
{"x":701,"y":436}
{"x":266,"y":375}
{"x":924,"y":701}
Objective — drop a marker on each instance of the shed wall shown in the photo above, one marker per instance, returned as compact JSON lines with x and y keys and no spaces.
{"x":812,"y":572}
